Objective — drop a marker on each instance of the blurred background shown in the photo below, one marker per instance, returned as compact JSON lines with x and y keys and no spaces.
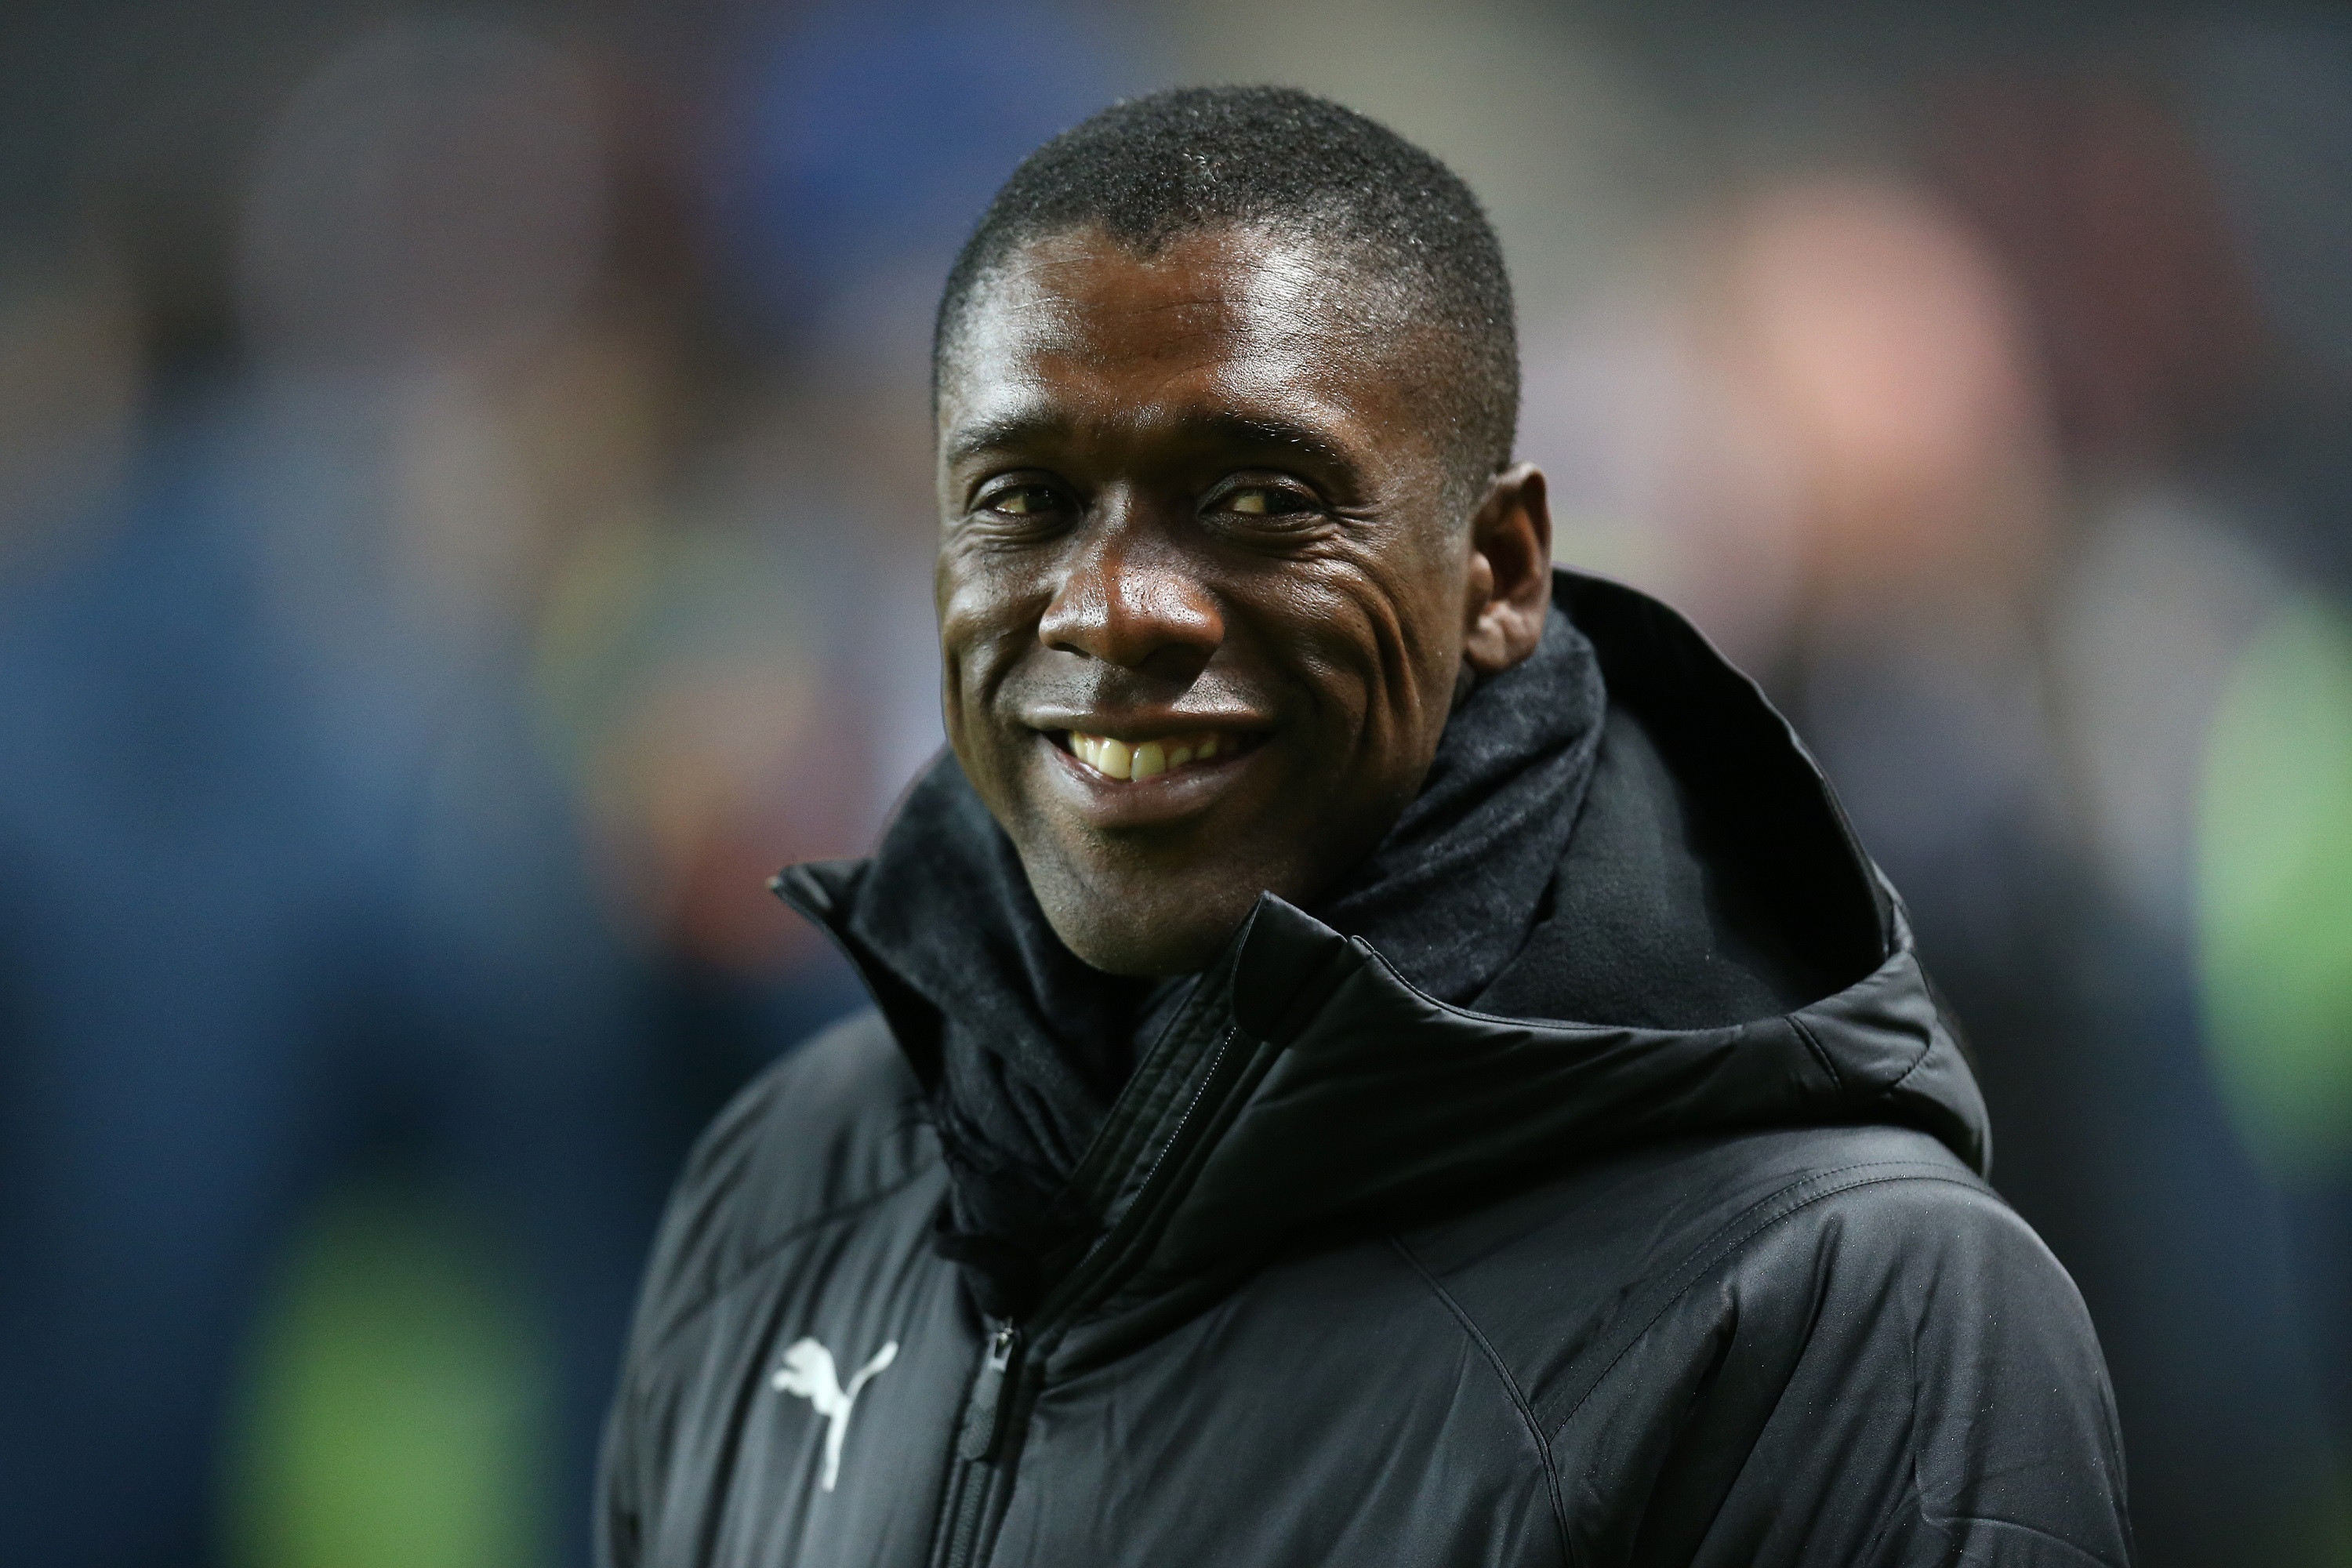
{"x":464,"y":517}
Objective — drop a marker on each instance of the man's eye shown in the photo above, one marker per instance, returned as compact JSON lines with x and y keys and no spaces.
{"x":1022,"y":501}
{"x":1264,"y":501}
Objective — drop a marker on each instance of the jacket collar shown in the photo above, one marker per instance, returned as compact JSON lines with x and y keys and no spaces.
{"x":1306,"y":1083}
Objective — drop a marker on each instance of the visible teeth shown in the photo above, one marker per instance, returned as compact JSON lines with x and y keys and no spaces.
{"x":1139,"y":760}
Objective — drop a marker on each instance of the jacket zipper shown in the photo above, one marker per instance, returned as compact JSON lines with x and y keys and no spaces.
{"x":981,"y":1483}
{"x":974,"y":1479}
{"x":986,"y":1418}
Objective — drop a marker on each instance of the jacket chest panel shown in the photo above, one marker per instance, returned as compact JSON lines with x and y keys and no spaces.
{"x":815,"y":1431}
{"x":1331,"y":1410}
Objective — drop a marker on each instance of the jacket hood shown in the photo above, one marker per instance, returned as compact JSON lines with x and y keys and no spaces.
{"x":1306,"y":1083}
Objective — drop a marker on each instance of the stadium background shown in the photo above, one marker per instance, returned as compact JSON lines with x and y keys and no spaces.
{"x":464,"y":519}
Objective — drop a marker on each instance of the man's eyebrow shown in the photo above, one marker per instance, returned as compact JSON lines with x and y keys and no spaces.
{"x":1003,"y":431}
{"x":1011,"y":432}
{"x":1261,"y":431}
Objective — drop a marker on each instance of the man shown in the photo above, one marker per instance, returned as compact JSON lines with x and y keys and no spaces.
{"x":1383,"y":1053}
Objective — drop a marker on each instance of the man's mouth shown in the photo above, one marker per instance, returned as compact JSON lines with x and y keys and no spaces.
{"x":1135,"y":760}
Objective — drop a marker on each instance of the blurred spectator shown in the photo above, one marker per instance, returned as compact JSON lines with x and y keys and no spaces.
{"x":1945,"y":440}
{"x":282,"y":684}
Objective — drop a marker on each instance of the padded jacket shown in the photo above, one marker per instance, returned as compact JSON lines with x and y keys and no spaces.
{"x":1377,"y":1280}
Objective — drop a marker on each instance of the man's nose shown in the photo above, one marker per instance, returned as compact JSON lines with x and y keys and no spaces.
{"x":1133,"y":599}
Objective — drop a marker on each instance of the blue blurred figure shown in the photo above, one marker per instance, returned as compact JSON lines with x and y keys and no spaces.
{"x":288,"y":890}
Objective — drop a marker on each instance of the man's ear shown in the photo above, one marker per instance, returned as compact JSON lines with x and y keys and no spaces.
{"x":1509,"y":588}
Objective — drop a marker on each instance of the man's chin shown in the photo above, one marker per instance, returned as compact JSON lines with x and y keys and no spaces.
{"x":1175,"y":927}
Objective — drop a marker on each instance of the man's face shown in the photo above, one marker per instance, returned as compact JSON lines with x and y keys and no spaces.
{"x":1201,"y":607}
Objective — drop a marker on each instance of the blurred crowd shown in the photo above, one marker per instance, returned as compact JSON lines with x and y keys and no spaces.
{"x":464,"y":517}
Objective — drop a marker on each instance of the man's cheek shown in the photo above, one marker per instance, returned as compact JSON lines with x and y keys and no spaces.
{"x":1338,"y":666}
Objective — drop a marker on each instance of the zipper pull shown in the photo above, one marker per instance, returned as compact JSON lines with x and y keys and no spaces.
{"x":984,"y":1415}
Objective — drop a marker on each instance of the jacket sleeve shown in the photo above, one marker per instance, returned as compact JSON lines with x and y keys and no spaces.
{"x":1905,"y":1375}
{"x":616,"y":1523}
{"x":636,"y":1439}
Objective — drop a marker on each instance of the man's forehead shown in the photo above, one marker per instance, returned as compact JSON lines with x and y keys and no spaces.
{"x":1223,"y":291}
{"x":1221,"y":321}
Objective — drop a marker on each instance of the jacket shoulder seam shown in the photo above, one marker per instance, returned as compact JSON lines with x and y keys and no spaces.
{"x":1510,"y":1386}
{"x":1873,"y":1174}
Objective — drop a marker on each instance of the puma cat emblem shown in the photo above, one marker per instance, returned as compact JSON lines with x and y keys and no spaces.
{"x":808,"y":1372}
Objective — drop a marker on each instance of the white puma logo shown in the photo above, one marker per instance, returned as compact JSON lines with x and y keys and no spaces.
{"x":808,"y":1372}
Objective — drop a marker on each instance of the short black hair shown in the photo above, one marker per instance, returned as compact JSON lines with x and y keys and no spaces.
{"x":1150,"y":169}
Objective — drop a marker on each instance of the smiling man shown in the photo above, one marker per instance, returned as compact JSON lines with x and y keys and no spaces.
{"x":1383,"y":1052}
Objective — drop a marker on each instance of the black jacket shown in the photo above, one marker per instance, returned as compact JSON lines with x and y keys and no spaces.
{"x":1380,"y":1280}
